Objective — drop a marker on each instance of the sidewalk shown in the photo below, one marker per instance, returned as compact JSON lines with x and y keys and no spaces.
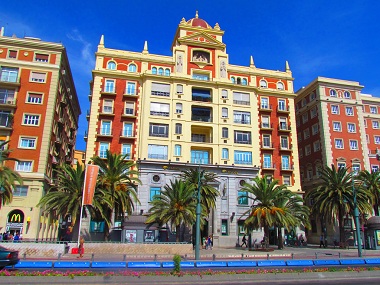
{"x":304,"y":252}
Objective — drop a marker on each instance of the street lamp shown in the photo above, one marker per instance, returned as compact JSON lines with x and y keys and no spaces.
{"x":356,"y":218}
{"x":198,"y":215}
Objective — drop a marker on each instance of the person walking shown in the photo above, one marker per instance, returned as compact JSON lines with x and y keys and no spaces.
{"x":244,"y":241}
{"x":209,"y":243}
{"x":321,"y":241}
{"x":81,"y":247}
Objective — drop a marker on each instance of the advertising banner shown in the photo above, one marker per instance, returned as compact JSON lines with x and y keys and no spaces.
{"x":90,"y":183}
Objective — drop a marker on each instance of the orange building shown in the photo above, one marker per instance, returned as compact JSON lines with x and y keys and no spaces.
{"x":336,"y":124}
{"x":39,"y":113}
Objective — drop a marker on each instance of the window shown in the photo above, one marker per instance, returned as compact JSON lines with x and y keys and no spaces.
{"x":332,"y":93}
{"x":233,"y":80}
{"x":349,"y":111}
{"x":6,"y":118}
{"x":34,"y":98}
{"x":307,"y":150}
{"x":266,"y":141}
{"x":224,"y":228}
{"x":7,"y":96}
{"x":306,"y":133}
{"x":280,"y":86}
{"x":103,"y":148}
{"x":38,"y":77}
{"x":203,"y":95}
{"x":129,"y":108}
{"x":312,"y":96}
{"x":337,"y":126}
{"x":32,"y":120}
{"x":347,"y":95}
{"x":132,"y":68}
{"x":285,"y":162}
{"x":178,"y":128}
{"x":373,"y":109}
{"x":20,"y":191}
{"x":26,"y":142}
{"x":158,"y":130}
{"x":126,"y":150}
{"x":242,"y":137}
{"x":225,"y":133}
{"x":303,"y":102}
{"x":224,"y":112}
{"x":179,"y":89}
{"x":305,"y":117}
{"x":375,"y":124}
{"x":128,"y":130}
{"x":263,"y":84}
{"x":284,"y":142}
{"x":178,"y":108}
{"x":374,"y":168}
{"x":131,"y":88}
{"x":241,"y":98}
{"x":158,"y":151}
{"x":267,"y":161}
{"x":341,"y":165}
{"x":281,"y":105}
{"x":159,"y":109}
{"x":351,"y":127}
{"x":177,"y":150}
{"x":154,"y":193}
{"x":242,"y":198}
{"x":41,"y":57}
{"x":244,"y":81}
{"x":316,"y":146}
{"x":224,"y":153}
{"x":339,"y":143}
{"x":243,"y":157}
{"x":242,"y":117}
{"x":12,"y":54}
{"x":313,"y":112}
{"x":199,"y":157}
{"x":167,"y":72}
{"x":224,"y":94}
{"x":160,"y":89}
{"x":353,"y":145}
{"x":286,"y":180}
{"x":202,"y":114}
{"x":24,"y":166}
{"x":111,"y":65}
{"x":105,"y":128}
{"x":314,"y":129}
{"x":365,"y":123}
{"x":377,"y":139}
{"x":154,"y":70}
{"x":335,"y":109}
{"x":264,"y":103}
{"x":265,"y":122}
{"x":109,"y":86}
{"x":355,"y":168}
{"x":283,"y":124}
{"x":201,"y":76}
{"x":8,"y":74}
{"x":107,"y":106}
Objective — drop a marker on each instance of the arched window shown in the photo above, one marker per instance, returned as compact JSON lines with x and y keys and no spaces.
{"x":160,"y":71}
{"x":154,"y":70}
{"x":332,"y":93}
{"x":233,"y":80}
{"x":111,"y":65}
{"x":238,"y":81}
{"x":167,"y":72}
{"x":244,"y":81}
{"x":347,"y":95}
{"x":263,"y":84}
{"x":132,"y":68}
{"x":280,"y":86}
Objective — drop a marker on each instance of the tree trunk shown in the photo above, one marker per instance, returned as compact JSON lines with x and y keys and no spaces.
{"x":178,"y":233}
{"x":376,"y":209}
{"x":342,"y":237}
{"x":280,"y":243}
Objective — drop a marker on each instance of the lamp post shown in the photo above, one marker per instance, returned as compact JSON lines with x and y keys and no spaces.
{"x":357,"y":222}
{"x":198,"y":216}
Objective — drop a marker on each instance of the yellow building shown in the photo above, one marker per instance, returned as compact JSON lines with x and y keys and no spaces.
{"x":39,"y":113}
{"x":191,"y":109}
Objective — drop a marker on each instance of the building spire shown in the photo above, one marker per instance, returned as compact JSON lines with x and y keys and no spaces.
{"x":145,"y":50}
{"x":287,"y":68}
{"x":196,"y":14}
{"x":252,"y":63}
{"x":101,"y":43}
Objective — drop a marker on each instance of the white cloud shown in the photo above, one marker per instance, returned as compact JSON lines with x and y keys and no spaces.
{"x":87,"y":61}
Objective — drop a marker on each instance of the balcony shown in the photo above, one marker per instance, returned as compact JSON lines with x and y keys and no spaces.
{"x":6,"y":121}
{"x":9,"y":78}
{"x":105,"y":132}
{"x":284,"y":147}
{"x":131,"y":93}
{"x":158,"y":156}
{"x":243,"y":162}
{"x":201,"y":98}
{"x":283,"y":127}
{"x":201,"y":118}
{"x":242,"y":141}
{"x":160,"y":135}
{"x":283,"y":109}
{"x":268,"y":166}
{"x":127,"y":134}
{"x":243,"y":122}
{"x":287,"y":167}
{"x":266,"y":126}
{"x":266,"y":108}
{"x":130,"y":113}
{"x":266,"y":146}
{"x":241,"y":102}
{"x":200,"y":138}
{"x":156,"y":113}
{"x":108,"y":91}
{"x":85,"y":136}
{"x":8,"y":102}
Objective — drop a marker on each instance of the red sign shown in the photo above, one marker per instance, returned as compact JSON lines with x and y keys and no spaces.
{"x":90,"y":183}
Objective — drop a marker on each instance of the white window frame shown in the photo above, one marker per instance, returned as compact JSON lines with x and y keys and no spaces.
{"x":109,"y":85}
{"x":354,"y":145}
{"x":314,"y":129}
{"x":24,"y":166}
{"x":37,"y":77}
{"x":337,"y":126}
{"x":34,"y":100}
{"x":32,"y":119}
{"x":31,"y":142}
{"x":375,"y":124}
{"x":348,"y":112}
{"x":373,"y":109}
{"x":339,"y":144}
{"x":351,"y":127}
{"x":335,"y":109}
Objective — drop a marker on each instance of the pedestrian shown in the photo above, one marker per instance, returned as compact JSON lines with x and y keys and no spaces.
{"x":81,"y":247}
{"x":16,"y":237}
{"x":209,"y":243}
{"x":321,"y":241}
{"x":244,"y":241}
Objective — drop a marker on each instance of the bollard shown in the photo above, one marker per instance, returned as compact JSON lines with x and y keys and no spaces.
{"x":268,"y":256}
{"x":316,"y":255}
{"x":292,"y":255}
{"x":124,"y":257}
{"x":92,"y":256}
{"x":59,"y":256}
{"x":242,"y":256}
{"x":213,"y":257}
{"x":339,"y":255}
{"x":185,"y":258}
{"x":24,"y":256}
{"x":155,"y":257}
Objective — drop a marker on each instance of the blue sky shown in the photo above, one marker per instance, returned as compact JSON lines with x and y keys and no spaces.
{"x":334,"y":38}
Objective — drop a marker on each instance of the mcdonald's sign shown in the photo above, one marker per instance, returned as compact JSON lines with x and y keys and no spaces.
{"x":15,"y":218}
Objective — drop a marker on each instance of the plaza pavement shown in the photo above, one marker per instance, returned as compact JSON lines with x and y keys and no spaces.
{"x":237,"y":253}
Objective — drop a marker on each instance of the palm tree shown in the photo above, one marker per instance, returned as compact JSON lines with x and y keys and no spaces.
{"x":66,"y":198}
{"x":371,"y":182}
{"x":118,"y":181}
{"x":8,"y":177}
{"x":272,"y":205}
{"x":208,"y":192}
{"x":174,"y":205}
{"x":334,"y":197}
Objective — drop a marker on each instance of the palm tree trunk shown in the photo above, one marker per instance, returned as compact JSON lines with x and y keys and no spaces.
{"x":178,"y":233}
{"x":376,"y":209}
{"x":342,"y":238}
{"x":280,"y":244}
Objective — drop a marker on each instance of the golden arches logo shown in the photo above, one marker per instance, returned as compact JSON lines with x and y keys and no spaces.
{"x":16,"y":218}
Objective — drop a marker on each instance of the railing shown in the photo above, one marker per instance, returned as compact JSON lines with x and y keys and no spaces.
{"x":243,"y":141}
{"x":152,"y":134}
{"x":160,"y":93}
{"x":287,"y":166}
{"x":244,"y":122}
{"x":130,"y":91}
{"x":127,"y":133}
{"x":269,"y":166}
{"x":200,"y":139}
{"x":266,"y":108}
{"x":105,"y":132}
{"x":158,"y":156}
{"x":163,"y":114}
{"x":283,"y":127}
{"x":8,"y":101}
{"x":201,"y":118}
{"x":283,"y":109}
{"x":201,"y":98}
{"x":266,"y":126}
{"x":244,"y":162}
{"x":270,"y":145}
{"x":239,"y":102}
{"x":285,"y":147}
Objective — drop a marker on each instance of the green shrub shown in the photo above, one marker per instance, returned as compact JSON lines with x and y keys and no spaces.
{"x":177,"y":263}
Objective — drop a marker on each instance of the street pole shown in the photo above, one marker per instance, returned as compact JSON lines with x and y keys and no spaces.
{"x":357,"y":222}
{"x":198,"y":216}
